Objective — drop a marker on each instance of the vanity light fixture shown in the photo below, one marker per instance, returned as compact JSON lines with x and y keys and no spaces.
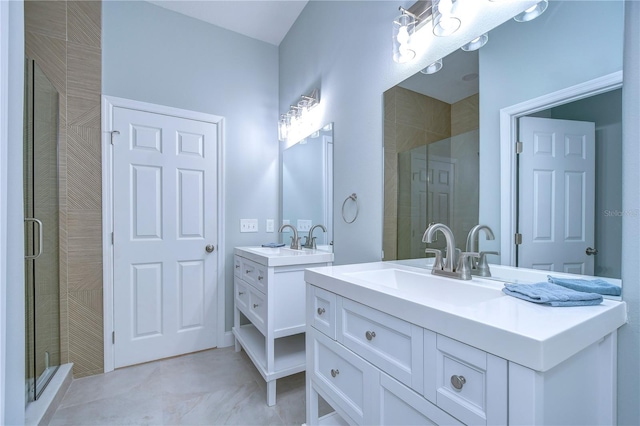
{"x":533,"y":12}
{"x":445,"y":22}
{"x":476,"y":43}
{"x":432,"y":68}
{"x":294,"y":124}
{"x":403,"y":28}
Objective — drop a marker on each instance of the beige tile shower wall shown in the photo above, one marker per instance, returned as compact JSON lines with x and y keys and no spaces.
{"x":465,"y":115}
{"x":410,"y":120}
{"x":64,"y":39}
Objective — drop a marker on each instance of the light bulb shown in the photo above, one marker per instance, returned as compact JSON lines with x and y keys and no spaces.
{"x":403,"y":35}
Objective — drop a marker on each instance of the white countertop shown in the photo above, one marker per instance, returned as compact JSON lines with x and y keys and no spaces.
{"x":284,"y":256}
{"x":474,"y":312}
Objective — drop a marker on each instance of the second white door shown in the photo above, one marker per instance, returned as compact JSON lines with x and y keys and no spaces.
{"x":165,"y":235}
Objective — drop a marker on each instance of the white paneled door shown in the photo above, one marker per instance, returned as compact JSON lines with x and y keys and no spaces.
{"x":556,"y":195}
{"x":165,"y":226}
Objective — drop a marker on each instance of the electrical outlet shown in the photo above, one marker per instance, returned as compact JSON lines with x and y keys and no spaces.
{"x":304,"y":225}
{"x":248,"y":225}
{"x":269,"y":225}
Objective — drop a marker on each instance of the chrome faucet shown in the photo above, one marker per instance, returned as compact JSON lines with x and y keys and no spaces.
{"x":461,"y":270}
{"x":310,"y":239}
{"x":295,"y":240}
{"x":480,"y":267}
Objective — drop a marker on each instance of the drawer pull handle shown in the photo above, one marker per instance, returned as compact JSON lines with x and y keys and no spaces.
{"x":458,"y":381}
{"x":321,"y":311}
{"x":370,"y":335}
{"x":240,"y":293}
{"x":237,"y":266}
{"x":260,"y":278}
{"x":247,"y":271}
{"x":335,"y":372}
{"x":255,"y":305}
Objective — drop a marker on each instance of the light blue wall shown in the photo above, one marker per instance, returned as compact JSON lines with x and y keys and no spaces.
{"x":154,"y":55}
{"x":13,"y":276}
{"x":523,"y":61}
{"x":629,"y":335}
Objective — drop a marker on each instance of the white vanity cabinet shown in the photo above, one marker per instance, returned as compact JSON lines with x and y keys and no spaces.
{"x":400,"y":355}
{"x":269,"y":309}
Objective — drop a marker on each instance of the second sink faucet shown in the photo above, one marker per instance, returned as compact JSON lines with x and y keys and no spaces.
{"x":461,"y":270}
{"x":310,"y":239}
{"x":295,"y":240}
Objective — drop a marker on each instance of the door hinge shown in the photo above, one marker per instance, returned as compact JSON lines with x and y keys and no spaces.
{"x":113,"y":132}
{"x":113,"y":337}
{"x":112,"y":238}
{"x":518,"y":238}
{"x":519,"y":148}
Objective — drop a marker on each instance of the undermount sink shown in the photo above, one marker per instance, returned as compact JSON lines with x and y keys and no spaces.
{"x":430,"y":288}
{"x":281,"y":256}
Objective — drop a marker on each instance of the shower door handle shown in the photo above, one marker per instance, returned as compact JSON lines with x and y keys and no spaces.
{"x":35,"y":256}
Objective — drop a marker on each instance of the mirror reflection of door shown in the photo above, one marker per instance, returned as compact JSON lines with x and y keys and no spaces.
{"x":556,"y":187}
{"x":587,"y":205}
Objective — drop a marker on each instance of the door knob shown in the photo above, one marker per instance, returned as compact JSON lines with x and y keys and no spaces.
{"x":591,"y":251}
{"x":209,"y":248}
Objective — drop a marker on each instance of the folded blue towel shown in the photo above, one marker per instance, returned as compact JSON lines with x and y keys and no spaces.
{"x":273,"y":245}
{"x":551,"y":294}
{"x":589,"y":286}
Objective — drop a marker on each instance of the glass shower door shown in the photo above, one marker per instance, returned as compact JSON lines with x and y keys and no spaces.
{"x":41,"y":231}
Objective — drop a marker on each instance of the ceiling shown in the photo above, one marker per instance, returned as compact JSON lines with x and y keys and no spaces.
{"x":265,"y":20}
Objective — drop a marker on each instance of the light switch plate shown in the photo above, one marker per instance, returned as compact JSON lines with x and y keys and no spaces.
{"x":248,"y":225}
{"x":269,"y":225}
{"x":304,"y":225}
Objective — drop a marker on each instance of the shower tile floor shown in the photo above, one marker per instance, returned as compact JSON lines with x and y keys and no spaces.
{"x":214,"y":387}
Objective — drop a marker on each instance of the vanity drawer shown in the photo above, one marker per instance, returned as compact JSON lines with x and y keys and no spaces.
{"x":470,"y":384}
{"x":399,"y":405}
{"x":257,"y":313}
{"x":322,"y":305}
{"x":393,"y":345}
{"x":349,"y":379}
{"x":237,"y":264}
{"x":254,"y":274}
{"x":241,"y":296}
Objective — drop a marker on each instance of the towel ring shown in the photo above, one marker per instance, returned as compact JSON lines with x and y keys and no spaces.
{"x":352,"y":197}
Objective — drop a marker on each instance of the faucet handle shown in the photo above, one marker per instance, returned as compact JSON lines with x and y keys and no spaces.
{"x":464,"y":264}
{"x":482,"y":266}
{"x":438,"y":262}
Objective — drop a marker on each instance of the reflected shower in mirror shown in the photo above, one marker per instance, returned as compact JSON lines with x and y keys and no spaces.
{"x":307,"y":186}
{"x":442,"y":138}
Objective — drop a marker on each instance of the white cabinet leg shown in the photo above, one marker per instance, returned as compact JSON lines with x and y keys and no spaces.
{"x":271,"y":393}
{"x":238,"y":347}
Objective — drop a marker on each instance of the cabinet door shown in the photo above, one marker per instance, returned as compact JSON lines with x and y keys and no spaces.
{"x":400,"y":405}
{"x":322,"y":310}
{"x":349,"y":379}
{"x":470,"y":384}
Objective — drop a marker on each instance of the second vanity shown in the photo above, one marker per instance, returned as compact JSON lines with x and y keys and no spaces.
{"x":392,"y":344}
{"x":269,"y":314}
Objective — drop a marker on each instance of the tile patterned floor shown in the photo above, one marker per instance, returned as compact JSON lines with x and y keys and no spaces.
{"x":213,"y":387}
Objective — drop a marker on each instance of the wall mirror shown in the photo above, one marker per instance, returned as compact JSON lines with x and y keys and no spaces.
{"x":307,"y":186}
{"x":443,"y":153}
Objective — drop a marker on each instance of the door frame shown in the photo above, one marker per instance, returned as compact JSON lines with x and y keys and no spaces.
{"x":108,"y":104}
{"x":508,"y":137}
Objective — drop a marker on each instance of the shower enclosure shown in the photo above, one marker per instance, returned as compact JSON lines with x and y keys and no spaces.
{"x":437,"y":183}
{"x":41,"y":213}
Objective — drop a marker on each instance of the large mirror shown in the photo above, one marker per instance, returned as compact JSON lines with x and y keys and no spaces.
{"x":443,"y":144}
{"x":307,"y":186}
